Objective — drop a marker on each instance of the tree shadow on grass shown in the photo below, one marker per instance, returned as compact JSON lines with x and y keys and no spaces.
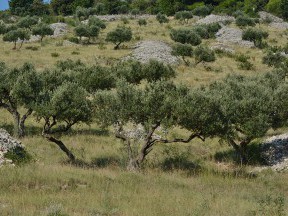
{"x":29,"y":130}
{"x":253,"y":154}
{"x":99,"y":162}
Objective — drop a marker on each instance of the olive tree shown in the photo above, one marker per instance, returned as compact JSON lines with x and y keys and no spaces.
{"x":119,"y":35}
{"x":183,"y":50}
{"x":204,"y":54}
{"x":15,"y":35}
{"x":149,"y":108}
{"x":87,"y":31}
{"x":42,"y":30}
{"x":19,"y":88}
{"x":185,"y":36}
{"x":184,"y":16}
{"x":60,"y":109}
{"x":247,"y":107}
{"x":256,"y":36}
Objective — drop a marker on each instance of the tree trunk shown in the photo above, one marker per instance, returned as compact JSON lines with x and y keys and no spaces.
{"x":14,"y":48}
{"x":240,"y":150}
{"x":117,"y":46}
{"x":21,"y":44}
{"x":16,"y":117}
{"x":61,"y":145}
{"x":21,"y":130}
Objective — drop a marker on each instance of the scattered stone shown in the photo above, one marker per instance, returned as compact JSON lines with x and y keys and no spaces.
{"x":232,"y":35}
{"x":111,"y":18}
{"x":216,"y":19}
{"x":158,"y":50}
{"x":7,"y":143}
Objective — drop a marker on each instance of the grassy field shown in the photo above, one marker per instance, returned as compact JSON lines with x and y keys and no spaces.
{"x":182,"y":179}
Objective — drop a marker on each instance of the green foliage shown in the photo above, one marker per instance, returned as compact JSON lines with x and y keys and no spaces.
{"x":183,"y":50}
{"x":246,"y":106}
{"x":169,"y":7}
{"x":131,"y":71}
{"x":155,"y":71}
{"x":284,"y":8}
{"x":229,"y":6}
{"x":185,"y":36}
{"x":162,"y":18}
{"x":245,"y":21}
{"x":256,"y":36}
{"x":27,"y":22}
{"x":28,"y":7}
{"x":94,"y":21}
{"x":42,"y":30}
{"x":19,"y":156}
{"x":204,"y":54}
{"x":142,"y":22}
{"x":274,"y":59}
{"x":244,"y":63}
{"x":203,"y":10}
{"x":183,"y":16}
{"x":68,"y":7}
{"x":119,"y":35}
{"x":3,"y":28}
{"x":87,"y":31}
{"x":14,"y":35}
{"x":274,"y":6}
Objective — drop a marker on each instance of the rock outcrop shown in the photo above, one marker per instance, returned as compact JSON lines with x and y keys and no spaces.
{"x":215,"y":19}
{"x":7,"y":143}
{"x":232,"y":35}
{"x":158,"y":50}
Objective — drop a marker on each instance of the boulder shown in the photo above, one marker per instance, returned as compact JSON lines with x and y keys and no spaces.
{"x":7,"y":143}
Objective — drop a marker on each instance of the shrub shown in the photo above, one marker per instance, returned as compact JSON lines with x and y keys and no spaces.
{"x":55,"y":54}
{"x":183,"y":50}
{"x":244,"y":63}
{"x":27,"y":22}
{"x":184,"y":16}
{"x":202,"y":31}
{"x":245,"y":21}
{"x":256,"y":36}
{"x":155,"y":70}
{"x":161,"y":18}
{"x":205,"y":54}
{"x":185,"y":36}
{"x":142,"y":22}
{"x":74,"y":40}
{"x":3,"y":28}
{"x":94,"y":21}
{"x":19,"y":156}
{"x":203,"y":10}
{"x":119,"y":35}
{"x":274,"y":59}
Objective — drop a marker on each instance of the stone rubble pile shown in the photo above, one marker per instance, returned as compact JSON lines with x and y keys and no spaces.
{"x":7,"y":143}
{"x":215,"y":19}
{"x":158,"y":50}
{"x":274,"y":151}
{"x":114,"y":17}
{"x":276,"y":22}
{"x":232,"y":35}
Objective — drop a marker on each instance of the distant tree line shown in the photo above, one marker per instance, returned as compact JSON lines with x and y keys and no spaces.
{"x":168,"y":7}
